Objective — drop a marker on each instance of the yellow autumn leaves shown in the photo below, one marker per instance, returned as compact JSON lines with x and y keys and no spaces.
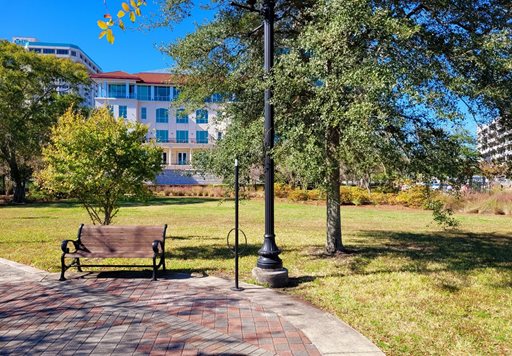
{"x":132,"y":9}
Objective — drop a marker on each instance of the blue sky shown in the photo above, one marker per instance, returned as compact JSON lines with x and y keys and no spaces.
{"x":74,"y":21}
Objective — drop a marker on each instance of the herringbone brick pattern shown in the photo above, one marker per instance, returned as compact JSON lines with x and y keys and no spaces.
{"x":139,"y":317}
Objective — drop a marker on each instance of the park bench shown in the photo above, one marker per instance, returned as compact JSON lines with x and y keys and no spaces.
{"x":115,"y":242}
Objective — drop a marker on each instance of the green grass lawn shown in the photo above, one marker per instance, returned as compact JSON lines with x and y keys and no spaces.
{"x":409,"y":287}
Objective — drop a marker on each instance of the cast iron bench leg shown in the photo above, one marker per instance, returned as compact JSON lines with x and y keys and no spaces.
{"x":154,"y":268}
{"x":63,"y":268}
{"x":77,"y":260}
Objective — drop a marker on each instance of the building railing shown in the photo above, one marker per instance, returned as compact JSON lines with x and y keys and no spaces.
{"x":178,"y":163}
{"x":190,"y":140}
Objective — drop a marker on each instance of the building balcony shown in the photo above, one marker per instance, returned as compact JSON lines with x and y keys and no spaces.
{"x":179,"y":165}
{"x":183,"y":141}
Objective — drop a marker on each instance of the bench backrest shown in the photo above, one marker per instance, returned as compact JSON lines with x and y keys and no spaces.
{"x":119,"y":239}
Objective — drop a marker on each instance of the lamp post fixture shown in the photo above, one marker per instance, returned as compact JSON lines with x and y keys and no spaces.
{"x":269,"y":268}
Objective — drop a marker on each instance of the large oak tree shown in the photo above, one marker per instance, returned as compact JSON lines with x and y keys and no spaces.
{"x":362,"y":82}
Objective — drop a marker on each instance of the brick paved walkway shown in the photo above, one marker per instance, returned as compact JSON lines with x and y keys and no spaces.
{"x":172,"y":316}
{"x":139,"y":316}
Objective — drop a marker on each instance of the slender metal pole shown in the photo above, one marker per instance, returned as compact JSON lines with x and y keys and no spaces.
{"x":236,"y":223}
{"x":237,"y":287}
{"x":269,"y":252}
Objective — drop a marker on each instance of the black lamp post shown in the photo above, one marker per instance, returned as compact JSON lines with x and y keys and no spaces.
{"x":269,"y":253}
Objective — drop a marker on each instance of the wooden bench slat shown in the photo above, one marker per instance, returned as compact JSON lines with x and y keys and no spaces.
{"x":113,"y":254}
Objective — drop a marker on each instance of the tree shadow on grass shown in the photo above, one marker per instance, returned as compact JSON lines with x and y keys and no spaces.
{"x":171,"y":201}
{"x":458,"y":251}
{"x":126,"y":203}
{"x":428,"y":253}
{"x":217,"y":252}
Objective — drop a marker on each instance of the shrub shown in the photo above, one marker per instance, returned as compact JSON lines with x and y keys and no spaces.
{"x":442,"y":216}
{"x":315,"y":194}
{"x":380,"y":198}
{"x":281,"y":190}
{"x":345,"y":195}
{"x":416,"y":197}
{"x":298,"y":195}
{"x":360,"y":196}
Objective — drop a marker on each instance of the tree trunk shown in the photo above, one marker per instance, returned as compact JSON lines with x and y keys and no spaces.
{"x":334,"y":243}
{"x":19,"y":182}
{"x":3,"y":189}
{"x":19,"y":191}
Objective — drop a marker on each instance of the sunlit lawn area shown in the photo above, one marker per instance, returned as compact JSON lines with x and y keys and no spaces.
{"x":409,"y":287}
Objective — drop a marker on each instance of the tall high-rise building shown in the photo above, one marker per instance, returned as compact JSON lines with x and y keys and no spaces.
{"x":64,"y":50}
{"x":495,"y":142}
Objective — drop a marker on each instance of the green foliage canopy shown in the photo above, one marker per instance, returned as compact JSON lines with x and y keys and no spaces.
{"x":30,"y":105}
{"x":99,"y":160}
{"x":356,"y":82}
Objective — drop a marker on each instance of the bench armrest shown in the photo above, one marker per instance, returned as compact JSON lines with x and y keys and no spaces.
{"x":64,"y":245}
{"x":155,"y":246}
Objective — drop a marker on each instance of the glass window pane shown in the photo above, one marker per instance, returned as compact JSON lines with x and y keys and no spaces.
{"x":202,"y":136}
{"x":143,"y":113}
{"x":162,"y":115}
{"x":143,"y":92}
{"x":162,"y":136}
{"x":182,"y":136}
{"x":163,"y":93}
{"x":123,"y":112}
{"x":117,"y":91}
{"x":202,"y":116}
{"x":181,"y":117}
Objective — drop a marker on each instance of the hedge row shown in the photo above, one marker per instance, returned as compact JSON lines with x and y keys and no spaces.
{"x":416,"y":196}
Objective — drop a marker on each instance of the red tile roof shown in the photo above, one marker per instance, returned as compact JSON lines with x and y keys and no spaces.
{"x":146,"y":78}
{"x":115,"y":75}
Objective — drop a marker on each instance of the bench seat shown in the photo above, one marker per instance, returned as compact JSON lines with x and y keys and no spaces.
{"x":115,"y":242}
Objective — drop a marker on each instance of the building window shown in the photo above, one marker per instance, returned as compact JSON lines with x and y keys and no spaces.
{"x":117,"y":91}
{"x":182,"y":158}
{"x":110,"y":109}
{"x":202,"y":136}
{"x":163,"y":93}
{"x":215,"y":98}
{"x":48,"y":50}
{"x":143,"y":113}
{"x":36,"y":50}
{"x":175,"y":93}
{"x":182,"y":136}
{"x":62,"y":51}
{"x":73,"y":53}
{"x":143,"y":92}
{"x":181,"y":117}
{"x":164,"y":157}
{"x":219,"y":136}
{"x":202,"y":116}
{"x":162,"y":136}
{"x":162,"y":115}
{"x":123,"y":111}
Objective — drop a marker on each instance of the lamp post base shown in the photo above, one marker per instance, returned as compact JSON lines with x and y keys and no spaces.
{"x":275,"y":278}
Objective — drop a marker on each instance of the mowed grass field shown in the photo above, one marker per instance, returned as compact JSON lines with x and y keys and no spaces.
{"x":410,"y":287}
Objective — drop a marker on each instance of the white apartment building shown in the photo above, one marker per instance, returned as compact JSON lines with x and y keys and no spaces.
{"x":148,"y":98}
{"x":64,"y":50}
{"x":495,"y":142}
